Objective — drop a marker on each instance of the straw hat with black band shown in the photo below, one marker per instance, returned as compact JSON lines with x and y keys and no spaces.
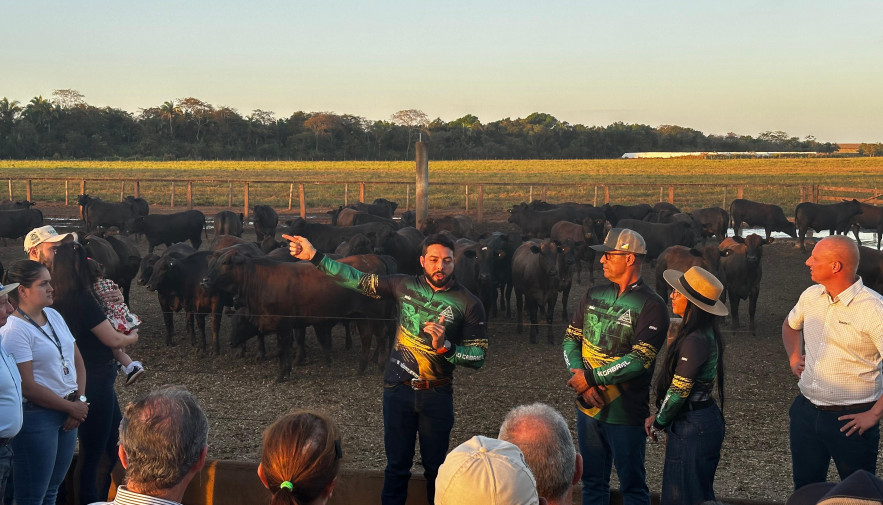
{"x":700,"y":287}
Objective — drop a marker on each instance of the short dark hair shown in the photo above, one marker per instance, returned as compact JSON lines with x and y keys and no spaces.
{"x":436,"y":238}
{"x":163,"y":434}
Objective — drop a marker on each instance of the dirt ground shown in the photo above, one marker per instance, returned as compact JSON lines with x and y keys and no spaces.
{"x":241,"y":398}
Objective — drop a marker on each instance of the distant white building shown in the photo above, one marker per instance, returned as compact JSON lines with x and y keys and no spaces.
{"x":756,"y":154}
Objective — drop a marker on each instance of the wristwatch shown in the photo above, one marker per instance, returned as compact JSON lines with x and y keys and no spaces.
{"x":82,"y":398}
{"x":445,"y":348}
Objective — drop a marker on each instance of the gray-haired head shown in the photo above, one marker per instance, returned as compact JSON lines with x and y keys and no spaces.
{"x":163,"y":434}
{"x":544,"y":438}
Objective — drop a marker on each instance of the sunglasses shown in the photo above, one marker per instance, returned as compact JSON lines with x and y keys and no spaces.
{"x":608,"y":255}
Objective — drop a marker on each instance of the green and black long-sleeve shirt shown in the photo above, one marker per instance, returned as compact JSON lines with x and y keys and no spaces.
{"x":412,"y":355}
{"x":694,"y":374}
{"x":615,"y":339}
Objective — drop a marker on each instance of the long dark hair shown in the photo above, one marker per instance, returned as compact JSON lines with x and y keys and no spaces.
{"x":71,"y":278}
{"x":695,"y":319}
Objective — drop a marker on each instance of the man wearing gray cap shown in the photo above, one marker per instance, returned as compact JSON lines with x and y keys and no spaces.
{"x":610,"y":347}
{"x":10,"y":396}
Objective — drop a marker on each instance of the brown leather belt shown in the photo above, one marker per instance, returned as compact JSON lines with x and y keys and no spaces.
{"x":841,"y":408}
{"x":419,"y":384}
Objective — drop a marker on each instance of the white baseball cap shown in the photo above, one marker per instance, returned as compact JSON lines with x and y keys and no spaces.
{"x":4,"y":289}
{"x":44,"y":234}
{"x":485,"y":471}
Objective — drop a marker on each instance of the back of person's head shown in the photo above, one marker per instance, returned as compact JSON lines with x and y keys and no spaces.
{"x":436,"y":238}
{"x":485,"y":471}
{"x":164,"y":435}
{"x":24,"y":272}
{"x":71,"y":274}
{"x":300,"y":458}
{"x":544,"y":438}
{"x":96,"y":269}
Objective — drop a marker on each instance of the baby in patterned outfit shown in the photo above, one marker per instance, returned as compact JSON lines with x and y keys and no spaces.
{"x":120,"y":318}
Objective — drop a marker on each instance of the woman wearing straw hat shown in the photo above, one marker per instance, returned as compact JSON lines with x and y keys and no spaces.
{"x":686,"y":410}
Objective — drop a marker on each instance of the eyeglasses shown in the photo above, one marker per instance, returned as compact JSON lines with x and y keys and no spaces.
{"x":608,"y":255}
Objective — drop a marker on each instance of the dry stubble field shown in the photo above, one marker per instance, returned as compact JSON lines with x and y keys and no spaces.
{"x":241,"y":397}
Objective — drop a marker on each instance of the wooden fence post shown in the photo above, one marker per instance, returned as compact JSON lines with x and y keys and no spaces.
{"x":172,"y":203}
{"x":606,"y":194}
{"x":595,"y":199}
{"x":346,"y":194}
{"x":362,"y":192}
{"x":28,"y":188}
{"x":189,"y":194}
{"x":290,"y":194}
{"x":467,"y":199}
{"x":407,"y":197}
{"x":530,"y":194}
{"x":83,"y":187}
{"x":245,"y":204}
{"x":230,"y":195}
{"x":122,"y":190}
{"x":66,"y":194}
{"x":303,"y":201}
{"x":740,"y":191}
{"x":10,"y":189}
{"x":137,"y":189}
{"x":544,"y":194}
{"x":480,"y":215}
{"x":724,"y":202}
{"x":671,"y":195}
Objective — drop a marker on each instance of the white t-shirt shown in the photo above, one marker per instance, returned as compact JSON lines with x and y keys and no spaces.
{"x":25,"y":342}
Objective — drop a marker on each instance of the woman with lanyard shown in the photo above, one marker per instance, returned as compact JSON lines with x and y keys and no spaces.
{"x":77,"y":302}
{"x":686,"y":410}
{"x":53,"y":383}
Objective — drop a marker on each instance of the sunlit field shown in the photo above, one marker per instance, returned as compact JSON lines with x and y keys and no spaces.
{"x":503,"y":182}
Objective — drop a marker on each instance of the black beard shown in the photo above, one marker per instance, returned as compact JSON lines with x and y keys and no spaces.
{"x":443,"y":283}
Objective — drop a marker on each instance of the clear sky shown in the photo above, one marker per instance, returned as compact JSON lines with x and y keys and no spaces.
{"x":804,"y":67}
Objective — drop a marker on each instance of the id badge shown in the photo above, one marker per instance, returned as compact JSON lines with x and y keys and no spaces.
{"x":66,"y":367}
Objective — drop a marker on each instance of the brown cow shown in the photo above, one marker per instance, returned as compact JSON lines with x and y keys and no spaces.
{"x":741,"y":271}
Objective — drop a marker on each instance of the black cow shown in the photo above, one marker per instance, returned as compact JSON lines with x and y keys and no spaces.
{"x":403,"y":245}
{"x":21,"y":204}
{"x":228,"y":223}
{"x":615,"y":213}
{"x":769,"y":217}
{"x":535,"y":274}
{"x":96,"y":212}
{"x":741,"y":272}
{"x":409,"y":218}
{"x":181,"y":278}
{"x":265,"y":222}
{"x":711,"y":221}
{"x":871,"y":218}
{"x":17,"y":223}
{"x":169,"y":228}
{"x":139,"y":206}
{"x":325,"y":237}
{"x":660,"y":236}
{"x":836,"y":218}
{"x":381,"y":207}
{"x":130,"y":262}
{"x":501,"y":247}
{"x":681,"y":258}
{"x":870,"y":268}
{"x":264,"y":288}
{"x":459,"y":226}
{"x":578,"y":238}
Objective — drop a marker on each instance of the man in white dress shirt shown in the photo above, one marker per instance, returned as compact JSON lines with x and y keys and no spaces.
{"x":834,"y":341}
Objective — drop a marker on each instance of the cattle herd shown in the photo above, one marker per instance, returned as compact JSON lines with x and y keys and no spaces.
{"x":266,"y":291}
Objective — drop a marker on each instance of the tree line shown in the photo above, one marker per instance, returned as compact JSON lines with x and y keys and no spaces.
{"x":66,"y":127}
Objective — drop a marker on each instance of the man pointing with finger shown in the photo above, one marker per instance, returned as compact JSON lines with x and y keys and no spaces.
{"x":441,"y":324}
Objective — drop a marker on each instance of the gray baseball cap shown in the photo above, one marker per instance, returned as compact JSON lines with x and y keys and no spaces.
{"x":623,"y":239}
